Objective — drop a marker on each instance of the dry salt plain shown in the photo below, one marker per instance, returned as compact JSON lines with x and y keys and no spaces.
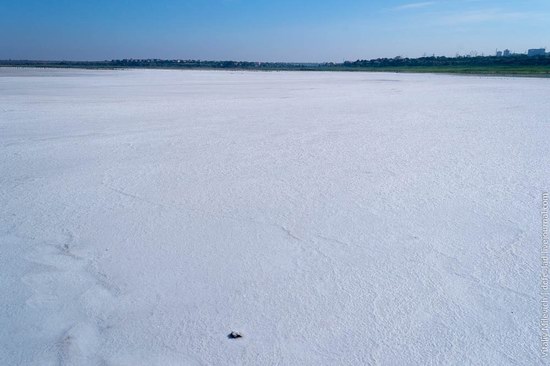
{"x":332,"y":218}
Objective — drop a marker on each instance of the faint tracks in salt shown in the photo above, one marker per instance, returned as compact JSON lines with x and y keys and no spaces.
{"x":458,"y":269}
{"x":73,"y":295}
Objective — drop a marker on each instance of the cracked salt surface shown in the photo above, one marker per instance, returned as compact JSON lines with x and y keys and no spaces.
{"x":333,"y":218}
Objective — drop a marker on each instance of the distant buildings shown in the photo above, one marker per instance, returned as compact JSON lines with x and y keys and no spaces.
{"x":504,"y":53}
{"x":531,"y":53}
{"x":536,"y":52}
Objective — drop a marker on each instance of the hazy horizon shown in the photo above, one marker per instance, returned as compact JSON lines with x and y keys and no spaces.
{"x":243,"y":30}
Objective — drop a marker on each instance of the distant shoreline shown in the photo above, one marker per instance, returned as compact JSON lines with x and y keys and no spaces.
{"x":518,"y":65}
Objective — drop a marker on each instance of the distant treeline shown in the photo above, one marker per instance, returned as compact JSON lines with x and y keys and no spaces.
{"x":513,"y":61}
{"x":164,"y":64}
{"x":515,"y":64}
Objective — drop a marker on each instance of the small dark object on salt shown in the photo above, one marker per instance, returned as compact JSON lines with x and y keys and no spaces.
{"x":235,"y":335}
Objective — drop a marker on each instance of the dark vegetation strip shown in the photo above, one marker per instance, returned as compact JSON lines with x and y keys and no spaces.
{"x":489,"y":65}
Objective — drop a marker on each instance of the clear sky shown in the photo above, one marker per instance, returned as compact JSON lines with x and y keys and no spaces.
{"x":267,"y":30}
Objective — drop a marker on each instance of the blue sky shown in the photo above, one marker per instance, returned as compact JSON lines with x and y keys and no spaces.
{"x":262,"y":30}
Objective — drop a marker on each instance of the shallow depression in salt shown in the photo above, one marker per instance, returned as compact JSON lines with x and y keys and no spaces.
{"x":327,"y":218}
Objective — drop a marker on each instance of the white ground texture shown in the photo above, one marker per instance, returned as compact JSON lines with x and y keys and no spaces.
{"x":332,"y":218}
